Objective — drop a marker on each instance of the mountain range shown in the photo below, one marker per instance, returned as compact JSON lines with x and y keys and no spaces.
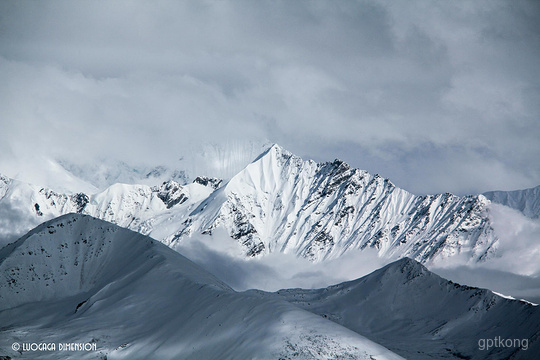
{"x":91,"y":272}
{"x":282,"y":203}
{"x":78,"y":279}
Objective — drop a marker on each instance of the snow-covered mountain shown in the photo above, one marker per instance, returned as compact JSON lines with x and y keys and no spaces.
{"x":138,"y":207}
{"x":278,"y":203}
{"x":420,"y":315}
{"x":77,"y":279}
{"x":320,"y":211}
{"x":527,"y":201}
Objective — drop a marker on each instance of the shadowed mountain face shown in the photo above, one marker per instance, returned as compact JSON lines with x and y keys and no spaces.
{"x":278,"y":203}
{"x":77,"y":279}
{"x":420,"y":315}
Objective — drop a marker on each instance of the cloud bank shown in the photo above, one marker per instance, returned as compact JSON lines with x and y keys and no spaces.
{"x":438,"y":96}
{"x":223,"y":256}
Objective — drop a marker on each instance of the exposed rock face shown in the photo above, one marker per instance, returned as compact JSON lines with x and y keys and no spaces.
{"x":81,"y":200}
{"x":171,"y":193}
{"x":208,"y":181}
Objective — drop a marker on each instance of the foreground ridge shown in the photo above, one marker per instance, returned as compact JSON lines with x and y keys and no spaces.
{"x":420,"y":315}
{"x":77,"y":279}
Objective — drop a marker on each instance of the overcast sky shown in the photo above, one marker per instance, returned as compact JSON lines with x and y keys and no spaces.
{"x":436,"y":95}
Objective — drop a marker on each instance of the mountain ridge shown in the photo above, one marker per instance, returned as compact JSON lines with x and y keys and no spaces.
{"x":278,"y":203}
{"x":78,"y":279}
{"x":527,"y":201}
{"x":404,"y":304}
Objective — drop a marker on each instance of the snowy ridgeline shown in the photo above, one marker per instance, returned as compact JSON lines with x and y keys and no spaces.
{"x":278,"y":203}
{"x":77,"y":279}
{"x":527,"y":201}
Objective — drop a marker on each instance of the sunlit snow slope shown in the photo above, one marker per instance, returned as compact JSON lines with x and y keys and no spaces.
{"x":320,"y":211}
{"x":137,"y":207}
{"x":80,"y":279}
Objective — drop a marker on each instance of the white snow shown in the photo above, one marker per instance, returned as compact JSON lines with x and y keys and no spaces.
{"x":80,"y":279}
{"x":504,"y":296}
{"x":320,"y":211}
{"x":281,"y":204}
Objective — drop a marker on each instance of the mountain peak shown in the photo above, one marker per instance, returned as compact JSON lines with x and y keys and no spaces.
{"x":406,"y":301}
{"x":279,"y":149}
{"x":73,"y":253}
{"x":410,"y":267}
{"x":335,"y":207}
{"x":274,"y":150}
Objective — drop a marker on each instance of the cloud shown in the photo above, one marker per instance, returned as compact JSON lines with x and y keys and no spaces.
{"x":517,"y":247}
{"x":224,"y":257}
{"x":515,"y":269}
{"x":409,"y":90}
{"x":519,"y":241}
